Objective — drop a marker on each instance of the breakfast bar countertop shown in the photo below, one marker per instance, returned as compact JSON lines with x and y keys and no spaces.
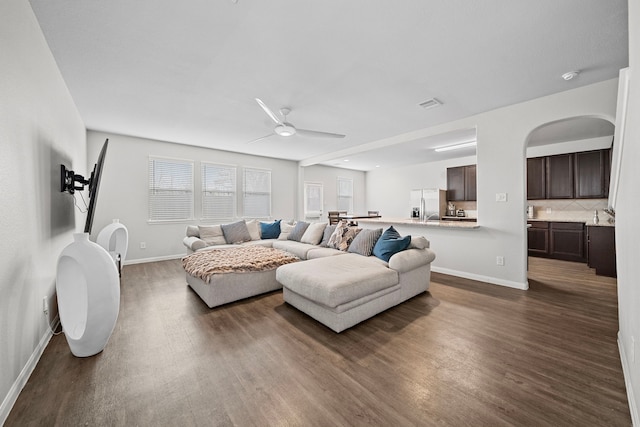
{"x":429,"y":223}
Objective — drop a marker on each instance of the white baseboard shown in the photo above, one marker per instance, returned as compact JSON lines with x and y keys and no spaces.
{"x":153,"y":259}
{"x":19,"y":383}
{"x":480,"y":278}
{"x":635,"y":417}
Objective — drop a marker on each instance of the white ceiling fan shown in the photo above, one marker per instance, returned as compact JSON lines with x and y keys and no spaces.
{"x":284,"y":128}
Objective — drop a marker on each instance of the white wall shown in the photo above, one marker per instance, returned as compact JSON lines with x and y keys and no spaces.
{"x":125,"y":183}
{"x":328,"y":176}
{"x":627,"y":229}
{"x":388,"y":189}
{"x":39,"y":128}
{"x":502,"y":136}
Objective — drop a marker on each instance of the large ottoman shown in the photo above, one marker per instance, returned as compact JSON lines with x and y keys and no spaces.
{"x":221,"y":276}
{"x":340,"y":291}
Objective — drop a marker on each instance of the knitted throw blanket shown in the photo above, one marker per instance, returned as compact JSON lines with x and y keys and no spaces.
{"x":205,"y":264}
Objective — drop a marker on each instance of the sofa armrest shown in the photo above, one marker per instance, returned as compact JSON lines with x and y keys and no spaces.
{"x":194,"y":243}
{"x":410,"y":259}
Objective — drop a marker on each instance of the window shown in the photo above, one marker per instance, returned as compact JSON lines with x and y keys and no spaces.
{"x":218,"y":191}
{"x":256,"y":197}
{"x":313,"y":199}
{"x":345,"y":194}
{"x":170,"y":189}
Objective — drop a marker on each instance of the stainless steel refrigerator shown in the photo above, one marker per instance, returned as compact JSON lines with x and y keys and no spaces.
{"x":428,"y":204}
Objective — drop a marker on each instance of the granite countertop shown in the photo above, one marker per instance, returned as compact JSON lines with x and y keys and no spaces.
{"x":430,"y":223}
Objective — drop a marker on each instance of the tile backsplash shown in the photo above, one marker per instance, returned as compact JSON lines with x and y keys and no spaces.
{"x":569,"y":209}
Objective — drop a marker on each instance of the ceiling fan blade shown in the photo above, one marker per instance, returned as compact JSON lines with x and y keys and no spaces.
{"x":268,"y":111}
{"x":317,"y":134}
{"x":261,"y":138}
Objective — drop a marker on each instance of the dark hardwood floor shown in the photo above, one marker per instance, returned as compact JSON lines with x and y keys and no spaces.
{"x":464,"y":354}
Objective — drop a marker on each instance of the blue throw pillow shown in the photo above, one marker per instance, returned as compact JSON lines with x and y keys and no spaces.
{"x":270,"y":230}
{"x":390,"y":243}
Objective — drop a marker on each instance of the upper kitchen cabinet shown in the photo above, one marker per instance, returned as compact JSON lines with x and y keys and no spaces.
{"x":560,"y":184}
{"x":461,"y":183}
{"x":537,"y":178}
{"x":592,"y":171}
{"x":582,"y":175}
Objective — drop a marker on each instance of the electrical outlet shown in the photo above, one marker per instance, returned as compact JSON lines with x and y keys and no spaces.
{"x":499,"y":260}
{"x":501,"y":197}
{"x":45,"y":305}
{"x":143,"y":245}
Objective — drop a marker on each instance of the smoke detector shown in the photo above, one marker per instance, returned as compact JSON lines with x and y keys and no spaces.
{"x":570,"y":75}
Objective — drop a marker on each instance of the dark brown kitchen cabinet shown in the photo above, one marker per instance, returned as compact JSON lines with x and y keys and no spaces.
{"x":560,"y":179}
{"x":592,"y":170}
{"x":470,"y":182}
{"x":601,"y":250}
{"x":567,"y":241}
{"x":538,"y":238}
{"x":461,"y":183}
{"x":558,"y":240}
{"x":536,"y":178}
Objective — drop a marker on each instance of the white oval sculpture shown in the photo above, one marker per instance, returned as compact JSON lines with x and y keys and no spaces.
{"x":88,"y":295}
{"x":115,"y":239}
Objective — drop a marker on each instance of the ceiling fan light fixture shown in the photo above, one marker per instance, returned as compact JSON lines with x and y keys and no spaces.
{"x":285,"y":129}
{"x":570,"y":75}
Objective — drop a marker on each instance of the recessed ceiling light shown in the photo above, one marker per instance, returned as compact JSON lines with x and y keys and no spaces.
{"x":570,"y":75}
{"x":346,"y":160}
{"x":456,"y":146}
{"x":377,"y":166}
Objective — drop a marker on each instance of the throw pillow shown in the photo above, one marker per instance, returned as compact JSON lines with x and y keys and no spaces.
{"x":343,"y":236}
{"x":211,"y":234}
{"x":236,"y":232}
{"x":254,"y":229}
{"x":285,"y":229}
{"x":365,"y":241}
{"x":418,"y":242}
{"x":390,"y":243}
{"x":298,"y":231}
{"x":314,"y":233}
{"x":328,"y":231}
{"x":193,"y":231}
{"x":270,"y":230}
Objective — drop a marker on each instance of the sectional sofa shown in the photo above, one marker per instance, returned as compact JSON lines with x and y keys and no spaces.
{"x":345,"y":275}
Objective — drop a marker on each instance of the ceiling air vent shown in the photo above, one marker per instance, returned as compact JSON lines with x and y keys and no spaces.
{"x":430,"y":103}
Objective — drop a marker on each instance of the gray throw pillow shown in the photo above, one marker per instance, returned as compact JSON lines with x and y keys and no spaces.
{"x":328,"y":231}
{"x":364,"y":242}
{"x":236,"y":232}
{"x":298,"y":231}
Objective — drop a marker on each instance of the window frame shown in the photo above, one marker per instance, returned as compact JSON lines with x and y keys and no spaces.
{"x":245,"y":193}
{"x":348,"y":197}
{"x":204,"y":189}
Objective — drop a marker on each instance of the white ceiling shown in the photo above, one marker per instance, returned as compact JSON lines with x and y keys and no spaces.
{"x":189,"y":71}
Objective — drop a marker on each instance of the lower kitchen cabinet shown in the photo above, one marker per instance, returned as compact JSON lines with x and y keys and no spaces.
{"x":558,"y":240}
{"x":601,"y":249}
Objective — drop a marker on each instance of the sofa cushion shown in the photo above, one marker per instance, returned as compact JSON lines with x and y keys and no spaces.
{"x":314,"y":233}
{"x":254,"y":229}
{"x":365,"y":241}
{"x":390,"y":243}
{"x":270,"y":230}
{"x":285,"y":229}
{"x":343,"y":236}
{"x":328,"y":231}
{"x":193,"y":231}
{"x":298,"y":231}
{"x":211,"y":235}
{"x":236,"y":232}
{"x":336,"y":280}
{"x":318,"y":252}
{"x":297,"y":248}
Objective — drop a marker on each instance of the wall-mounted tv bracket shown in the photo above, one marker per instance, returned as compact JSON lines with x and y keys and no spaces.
{"x":68,"y":180}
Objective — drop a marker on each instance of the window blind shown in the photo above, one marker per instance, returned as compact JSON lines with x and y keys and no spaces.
{"x":170,"y":189}
{"x":256,"y":198}
{"x":218,"y":191}
{"x":345,"y":194}
{"x":313,"y":199}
